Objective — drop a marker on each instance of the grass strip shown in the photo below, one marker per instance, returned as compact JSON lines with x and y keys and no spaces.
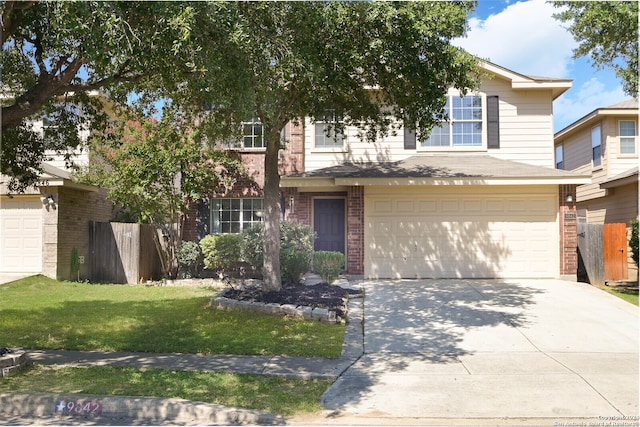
{"x":277,"y":395}
{"x":39,"y":312}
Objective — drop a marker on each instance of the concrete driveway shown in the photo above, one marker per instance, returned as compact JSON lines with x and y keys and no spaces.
{"x":546,"y":351}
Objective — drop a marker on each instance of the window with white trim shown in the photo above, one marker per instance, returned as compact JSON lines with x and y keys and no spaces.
{"x":596,"y":145}
{"x":325,"y":131}
{"x":628,"y":136}
{"x":234,"y":215}
{"x":463,"y":127}
{"x":559,"y":157}
{"x":252,"y":135}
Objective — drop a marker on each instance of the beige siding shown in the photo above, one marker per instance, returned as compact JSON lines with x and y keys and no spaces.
{"x":526,"y":134}
{"x":620,"y":205}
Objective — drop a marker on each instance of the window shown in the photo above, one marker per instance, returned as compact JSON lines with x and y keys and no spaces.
{"x":252,"y":135}
{"x":596,"y":146}
{"x":325,"y":131}
{"x":559,"y":157}
{"x":235,"y":215}
{"x":464,"y":126}
{"x":627,"y":137}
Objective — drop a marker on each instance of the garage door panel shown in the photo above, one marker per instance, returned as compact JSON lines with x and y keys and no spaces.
{"x":468,"y":236}
{"x":21,"y":235}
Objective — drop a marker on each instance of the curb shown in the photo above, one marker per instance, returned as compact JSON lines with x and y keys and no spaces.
{"x":140,"y":409}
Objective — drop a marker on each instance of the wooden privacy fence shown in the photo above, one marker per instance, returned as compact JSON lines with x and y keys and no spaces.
{"x":123,"y":252}
{"x":602,"y":252}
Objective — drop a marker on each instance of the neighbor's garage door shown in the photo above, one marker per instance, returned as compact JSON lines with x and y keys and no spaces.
{"x":21,"y":235}
{"x":463,"y":232}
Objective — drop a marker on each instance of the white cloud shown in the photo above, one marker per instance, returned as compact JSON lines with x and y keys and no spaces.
{"x":580,"y":101}
{"x":523,"y":37}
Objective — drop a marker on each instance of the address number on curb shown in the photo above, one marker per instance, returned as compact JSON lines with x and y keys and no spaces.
{"x":86,"y":407}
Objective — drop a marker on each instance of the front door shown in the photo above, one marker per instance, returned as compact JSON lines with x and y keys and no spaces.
{"x":328,"y":223}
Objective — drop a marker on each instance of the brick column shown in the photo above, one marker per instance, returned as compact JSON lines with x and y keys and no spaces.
{"x":568,"y":232}
{"x":355,"y":231}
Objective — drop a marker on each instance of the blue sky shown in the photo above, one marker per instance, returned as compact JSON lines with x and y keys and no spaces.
{"x":524,"y":37}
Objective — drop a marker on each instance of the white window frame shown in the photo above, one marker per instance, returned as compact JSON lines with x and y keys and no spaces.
{"x":324,"y":132}
{"x":560,"y":156}
{"x":451,"y":124}
{"x":233,"y":215}
{"x":628,"y":138}
{"x":247,"y":131}
{"x":596,"y":145}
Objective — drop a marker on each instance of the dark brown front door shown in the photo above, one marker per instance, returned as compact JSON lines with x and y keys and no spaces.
{"x":328,"y":223}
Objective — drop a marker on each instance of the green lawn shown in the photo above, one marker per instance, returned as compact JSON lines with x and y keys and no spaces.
{"x":39,"y":312}
{"x":627,"y":295}
{"x":277,"y":395}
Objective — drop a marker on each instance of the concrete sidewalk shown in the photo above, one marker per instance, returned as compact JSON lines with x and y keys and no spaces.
{"x":26,"y":409}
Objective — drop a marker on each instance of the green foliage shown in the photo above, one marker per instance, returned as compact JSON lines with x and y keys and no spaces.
{"x":157,"y":169}
{"x":56,"y":48}
{"x":328,"y":264}
{"x":221,"y":251}
{"x":633,"y":241}
{"x":189,"y":256}
{"x":294,"y":237}
{"x":294,"y":264}
{"x":607,"y":32}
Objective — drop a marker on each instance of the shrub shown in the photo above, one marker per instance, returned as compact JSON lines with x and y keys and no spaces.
{"x":328,"y":264}
{"x":293,"y":264}
{"x":189,"y":258}
{"x":294,"y":237}
{"x":221,"y":251}
{"x":633,"y":241}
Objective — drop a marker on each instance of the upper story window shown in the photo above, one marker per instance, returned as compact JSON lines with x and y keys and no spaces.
{"x":559,"y":157}
{"x":596,"y":145}
{"x":252,"y":135}
{"x":628,"y":136}
{"x":325,"y":131}
{"x":463,"y":127}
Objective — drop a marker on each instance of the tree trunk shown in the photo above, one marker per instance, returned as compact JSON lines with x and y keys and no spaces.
{"x":271,"y":248}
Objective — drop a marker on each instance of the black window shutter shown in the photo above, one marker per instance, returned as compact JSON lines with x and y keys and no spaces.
{"x":409,"y":138}
{"x":203,"y":219}
{"x":493,"y":122}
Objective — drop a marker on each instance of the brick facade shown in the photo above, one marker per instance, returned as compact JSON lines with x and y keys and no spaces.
{"x":568,"y":232}
{"x":66,"y":226}
{"x":291,"y":161}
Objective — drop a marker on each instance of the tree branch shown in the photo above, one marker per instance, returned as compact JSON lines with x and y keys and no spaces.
{"x":12,"y":16}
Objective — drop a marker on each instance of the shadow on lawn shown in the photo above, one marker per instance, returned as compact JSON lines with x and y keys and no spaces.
{"x":168,"y":326}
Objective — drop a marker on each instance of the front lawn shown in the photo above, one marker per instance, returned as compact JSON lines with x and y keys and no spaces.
{"x":626,"y":294}
{"x":38,"y":312}
{"x":277,"y":395}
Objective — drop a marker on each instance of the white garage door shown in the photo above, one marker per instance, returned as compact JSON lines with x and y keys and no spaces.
{"x":464,"y":232}
{"x":21,"y":235}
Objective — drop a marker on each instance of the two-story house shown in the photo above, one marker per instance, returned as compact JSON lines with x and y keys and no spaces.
{"x":480,"y":197}
{"x":604,"y":144}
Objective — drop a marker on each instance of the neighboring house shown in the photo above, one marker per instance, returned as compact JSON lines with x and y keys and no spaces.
{"x":479,"y":198}
{"x":604,"y":144}
{"x":40,"y":227}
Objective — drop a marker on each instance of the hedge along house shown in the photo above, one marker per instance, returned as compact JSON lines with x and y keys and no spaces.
{"x":479,"y":198}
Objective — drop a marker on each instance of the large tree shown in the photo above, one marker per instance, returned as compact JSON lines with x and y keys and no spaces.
{"x":157,"y":170}
{"x":607,"y":31}
{"x":55,"y":52}
{"x":374,"y":65}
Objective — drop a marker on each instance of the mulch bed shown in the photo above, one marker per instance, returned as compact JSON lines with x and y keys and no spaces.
{"x":321,"y":295}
